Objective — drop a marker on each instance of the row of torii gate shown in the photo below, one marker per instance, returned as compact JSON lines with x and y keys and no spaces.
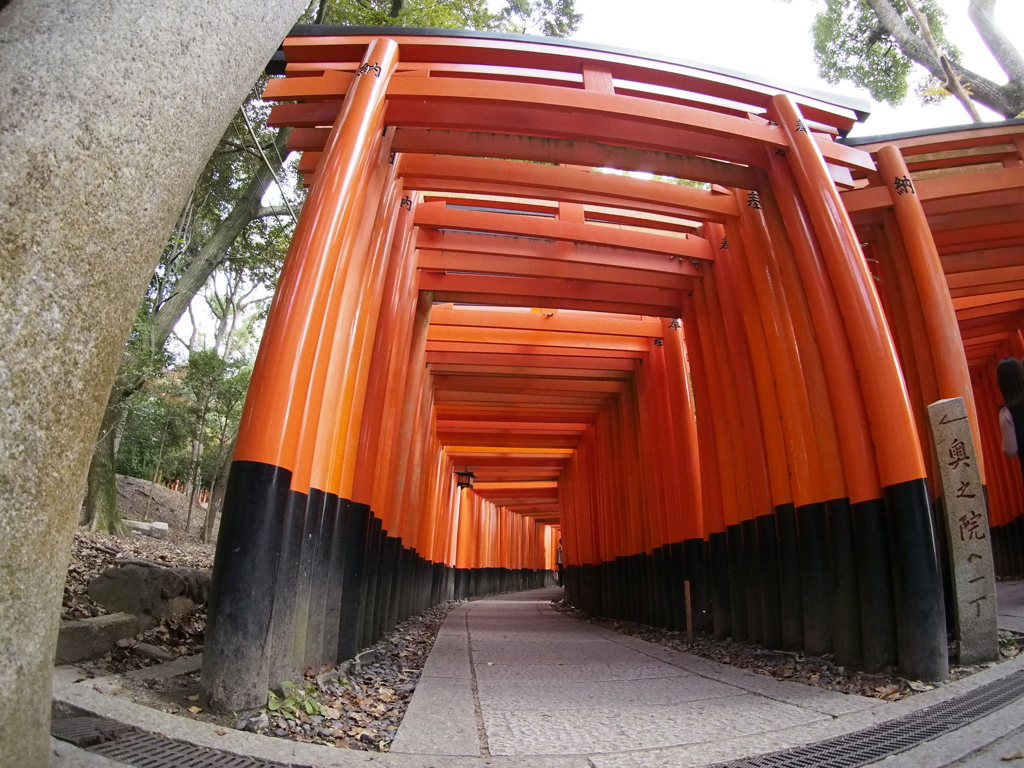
{"x":721,"y":384}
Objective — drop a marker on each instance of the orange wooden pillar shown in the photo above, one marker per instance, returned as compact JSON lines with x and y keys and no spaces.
{"x":745,"y":607}
{"x":827,"y":555}
{"x":831,"y":539}
{"x":914,"y":348}
{"x":236,"y":659}
{"x":716,"y":463}
{"x":685,"y":551}
{"x":691,"y":521}
{"x":658,"y":485}
{"x":873,"y":571}
{"x":920,"y":611}
{"x":762,"y":441}
{"x":743,"y":538}
{"x":809,"y":465}
{"x":339,"y":418}
{"x":1002,"y":498}
{"x":939,"y":316}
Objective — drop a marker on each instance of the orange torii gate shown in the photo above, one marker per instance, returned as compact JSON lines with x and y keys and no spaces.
{"x":970,"y":183}
{"x":679,"y":383}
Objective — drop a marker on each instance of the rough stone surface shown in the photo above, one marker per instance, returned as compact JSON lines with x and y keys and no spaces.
{"x":161,"y":593}
{"x":110,"y":110}
{"x":970,"y":545}
{"x":91,"y":638}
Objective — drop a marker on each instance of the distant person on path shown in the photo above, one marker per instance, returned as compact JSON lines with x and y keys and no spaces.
{"x":558,"y":561}
{"x":1010,"y":375}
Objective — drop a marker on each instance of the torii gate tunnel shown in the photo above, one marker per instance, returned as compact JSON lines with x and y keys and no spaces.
{"x":722,"y":384}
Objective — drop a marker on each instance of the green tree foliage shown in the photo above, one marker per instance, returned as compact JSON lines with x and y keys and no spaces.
{"x":850,"y":46}
{"x":877,"y":43}
{"x":554,"y":18}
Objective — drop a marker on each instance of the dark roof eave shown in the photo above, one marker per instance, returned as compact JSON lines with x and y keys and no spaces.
{"x":856,"y":141}
{"x":860,"y":107}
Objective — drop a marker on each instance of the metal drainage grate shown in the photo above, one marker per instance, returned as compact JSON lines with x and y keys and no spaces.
{"x":895,"y":736}
{"x":145,"y":750}
{"x":87,"y":731}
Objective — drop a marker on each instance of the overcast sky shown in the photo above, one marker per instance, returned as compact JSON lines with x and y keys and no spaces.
{"x":773,"y":40}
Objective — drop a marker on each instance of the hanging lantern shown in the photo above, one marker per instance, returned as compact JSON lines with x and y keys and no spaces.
{"x":465,"y":478}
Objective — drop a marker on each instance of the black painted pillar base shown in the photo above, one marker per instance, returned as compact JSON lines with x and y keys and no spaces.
{"x":790,"y":596}
{"x":335,"y":582}
{"x":675,"y":588}
{"x":737,"y":583}
{"x":696,"y":564}
{"x":721,"y":612}
{"x":752,"y":572}
{"x":771,"y":606}
{"x":917,"y":584}
{"x":372,"y":573}
{"x":846,"y":632}
{"x":319,"y":580}
{"x":353,"y":580}
{"x":815,"y":578}
{"x":293,"y":520}
{"x":236,"y":657}
{"x":874,"y":579}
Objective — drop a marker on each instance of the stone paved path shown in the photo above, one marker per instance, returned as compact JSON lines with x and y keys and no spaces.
{"x":510,"y":683}
{"x":510,"y":676}
{"x":1010,"y":601}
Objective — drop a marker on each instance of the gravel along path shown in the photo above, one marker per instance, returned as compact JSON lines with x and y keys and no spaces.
{"x":358,"y":709}
{"x":783,"y":665}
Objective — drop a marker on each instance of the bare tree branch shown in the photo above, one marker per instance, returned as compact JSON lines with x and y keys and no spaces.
{"x":1005,"y":100}
{"x":951,"y":80}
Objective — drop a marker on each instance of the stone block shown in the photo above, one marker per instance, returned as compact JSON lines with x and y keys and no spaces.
{"x":92,"y":638}
{"x":154,"y":530}
{"x":152,"y":592}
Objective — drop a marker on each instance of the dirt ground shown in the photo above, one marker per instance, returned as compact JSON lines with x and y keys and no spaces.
{"x":357,"y":710}
{"x":92,"y":553}
{"x":349,"y":709}
{"x":166,"y":506}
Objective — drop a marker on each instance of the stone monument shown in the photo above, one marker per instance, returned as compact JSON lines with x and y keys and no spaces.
{"x":970,"y":547}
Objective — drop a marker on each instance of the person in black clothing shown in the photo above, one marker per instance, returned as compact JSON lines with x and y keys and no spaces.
{"x":1010,"y":376}
{"x":558,"y":561}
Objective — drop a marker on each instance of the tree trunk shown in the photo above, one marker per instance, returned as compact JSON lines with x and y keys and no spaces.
{"x":101,"y":499}
{"x":1005,"y":100}
{"x":215,"y":249}
{"x":217,"y":488}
